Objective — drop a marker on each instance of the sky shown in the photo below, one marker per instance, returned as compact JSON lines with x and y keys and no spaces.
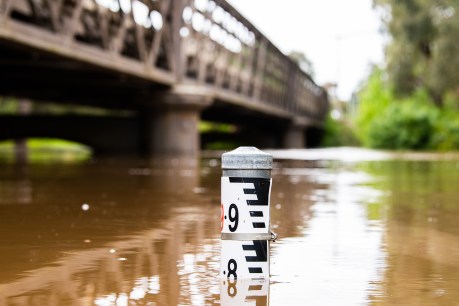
{"x":342,"y":38}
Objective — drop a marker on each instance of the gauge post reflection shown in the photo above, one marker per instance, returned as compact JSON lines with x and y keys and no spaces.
{"x":244,"y":292}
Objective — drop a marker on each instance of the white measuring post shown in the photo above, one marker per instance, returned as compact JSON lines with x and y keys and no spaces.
{"x":245,"y":221}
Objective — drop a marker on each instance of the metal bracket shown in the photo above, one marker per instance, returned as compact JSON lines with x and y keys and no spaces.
{"x":271,"y":236}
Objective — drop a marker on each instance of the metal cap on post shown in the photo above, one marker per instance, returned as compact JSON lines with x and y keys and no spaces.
{"x":247,"y":162}
{"x":245,"y":213}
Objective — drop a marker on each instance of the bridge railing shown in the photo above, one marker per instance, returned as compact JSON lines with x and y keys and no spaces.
{"x":223,"y":49}
{"x":205,"y":42}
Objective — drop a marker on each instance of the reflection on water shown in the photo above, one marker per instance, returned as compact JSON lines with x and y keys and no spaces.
{"x":142,"y":232}
{"x":337,"y":255}
{"x":107,"y":233}
{"x":235,"y":292}
{"x":421,"y":232}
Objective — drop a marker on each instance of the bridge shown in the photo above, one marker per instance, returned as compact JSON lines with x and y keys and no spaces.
{"x":170,"y":62}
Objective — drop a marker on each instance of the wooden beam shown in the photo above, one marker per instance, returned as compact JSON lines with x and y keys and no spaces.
{"x":154,"y":47}
{"x":140,"y":42}
{"x":248,"y":73}
{"x":55,"y":7}
{"x":164,"y":9}
{"x":222,"y":66}
{"x":118,"y":41}
{"x":103,"y":21}
{"x":158,"y":37}
{"x":49,"y":43}
{"x":176,"y":40}
{"x":261,"y":64}
{"x":5,"y":8}
{"x":201,"y":57}
{"x":70,"y":27}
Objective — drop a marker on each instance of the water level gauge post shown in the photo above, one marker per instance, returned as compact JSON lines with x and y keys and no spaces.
{"x":245,"y":215}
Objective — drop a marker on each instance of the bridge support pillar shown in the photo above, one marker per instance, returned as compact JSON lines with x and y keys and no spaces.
{"x":171,"y":128}
{"x":295,"y":137}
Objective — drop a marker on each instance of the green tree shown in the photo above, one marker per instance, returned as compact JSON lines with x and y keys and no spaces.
{"x":424,"y":46}
{"x":385,"y":121}
{"x":374,"y":98}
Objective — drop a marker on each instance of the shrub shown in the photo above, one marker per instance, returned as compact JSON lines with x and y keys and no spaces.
{"x":446,"y":131}
{"x":404,"y":125}
{"x":337,"y":133}
{"x":374,"y":98}
{"x":387,"y":122}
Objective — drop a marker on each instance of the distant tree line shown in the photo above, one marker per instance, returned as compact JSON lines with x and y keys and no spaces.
{"x":412,"y":102}
{"x":424,"y":48}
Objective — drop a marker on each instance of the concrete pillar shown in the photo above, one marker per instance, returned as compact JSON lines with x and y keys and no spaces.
{"x":295,"y":137}
{"x":174,"y":132}
{"x":172,"y":126}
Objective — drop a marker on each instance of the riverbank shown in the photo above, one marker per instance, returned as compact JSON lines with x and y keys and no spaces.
{"x":347,"y":154}
{"x":45,"y":149}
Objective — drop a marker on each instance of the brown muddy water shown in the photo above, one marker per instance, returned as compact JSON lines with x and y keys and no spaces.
{"x":354,"y":229}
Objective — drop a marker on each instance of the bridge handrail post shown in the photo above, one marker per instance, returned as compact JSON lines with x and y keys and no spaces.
{"x":177,"y":7}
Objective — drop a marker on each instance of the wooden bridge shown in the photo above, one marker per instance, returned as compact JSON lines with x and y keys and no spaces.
{"x":173,"y":62}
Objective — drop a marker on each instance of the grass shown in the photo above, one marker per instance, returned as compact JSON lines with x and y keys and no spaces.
{"x":46,"y":150}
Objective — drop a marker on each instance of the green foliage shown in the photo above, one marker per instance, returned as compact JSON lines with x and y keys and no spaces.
{"x":337,"y":133}
{"x":423,"y":49}
{"x":373,"y":100}
{"x":218,"y":128}
{"x":47,"y":150}
{"x":11,"y":106}
{"x":222,"y":145}
{"x":387,"y":122}
{"x":56,"y":144}
{"x":8,"y":106}
{"x":206,"y":127}
{"x":403,"y":125}
{"x":446,"y":131}
{"x":414,"y":104}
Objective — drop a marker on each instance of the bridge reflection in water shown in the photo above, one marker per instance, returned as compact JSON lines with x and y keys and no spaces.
{"x":116,"y":231}
{"x":149,"y":233}
{"x":380,"y":233}
{"x":150,"y":266}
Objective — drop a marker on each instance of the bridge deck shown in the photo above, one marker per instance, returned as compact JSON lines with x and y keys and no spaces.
{"x":129,"y":49}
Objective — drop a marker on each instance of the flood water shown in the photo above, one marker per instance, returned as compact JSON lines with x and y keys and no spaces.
{"x":117,"y":231}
